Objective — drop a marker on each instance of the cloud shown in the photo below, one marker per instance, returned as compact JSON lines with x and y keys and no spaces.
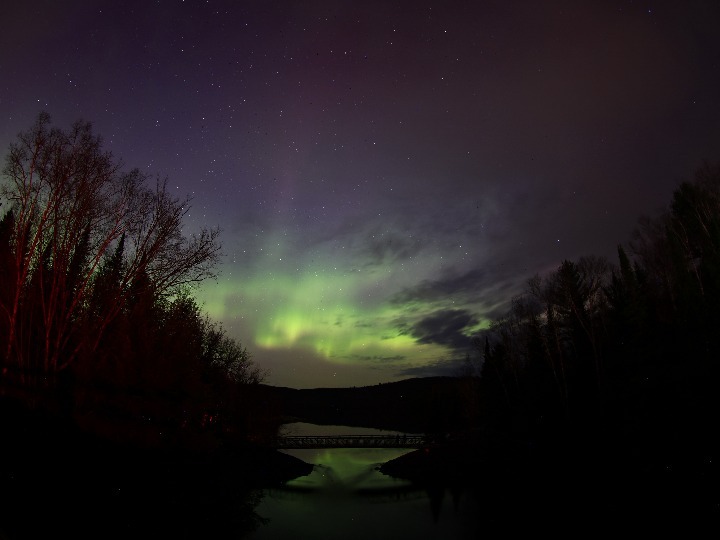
{"x":376,"y":359}
{"x":380,"y":247}
{"x":450,"y":328}
{"x":486,"y":292}
{"x":467,"y":285}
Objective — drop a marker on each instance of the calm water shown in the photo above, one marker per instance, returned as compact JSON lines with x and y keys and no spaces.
{"x":346,"y":497}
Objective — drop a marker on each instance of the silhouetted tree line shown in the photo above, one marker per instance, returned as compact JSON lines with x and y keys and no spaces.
{"x":96,"y":315}
{"x":627,"y":351}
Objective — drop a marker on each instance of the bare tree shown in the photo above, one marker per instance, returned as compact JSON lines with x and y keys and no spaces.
{"x":73,"y":209}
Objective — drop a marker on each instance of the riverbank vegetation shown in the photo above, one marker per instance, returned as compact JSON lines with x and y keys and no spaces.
{"x":597,"y":392}
{"x":107,"y":362}
{"x":97,"y":318}
{"x":623,"y":351}
{"x":117,"y":394}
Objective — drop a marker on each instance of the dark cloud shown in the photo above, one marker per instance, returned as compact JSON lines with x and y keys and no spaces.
{"x":466,"y":285}
{"x":386,"y":247}
{"x":375,"y":359}
{"x":489,"y":289}
{"x":497,"y":312}
{"x":446,"y":327}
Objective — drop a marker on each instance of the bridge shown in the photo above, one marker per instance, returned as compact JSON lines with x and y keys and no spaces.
{"x":350,"y":441}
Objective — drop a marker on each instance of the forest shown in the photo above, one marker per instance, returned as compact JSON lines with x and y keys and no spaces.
{"x":97,"y":314}
{"x":97,"y":319}
{"x":626,"y":351}
{"x":613,"y":361}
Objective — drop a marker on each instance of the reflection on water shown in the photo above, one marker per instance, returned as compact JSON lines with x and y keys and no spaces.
{"x":346,"y":497}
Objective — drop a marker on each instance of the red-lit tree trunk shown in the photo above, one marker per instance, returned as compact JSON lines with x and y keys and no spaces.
{"x":71,"y":206}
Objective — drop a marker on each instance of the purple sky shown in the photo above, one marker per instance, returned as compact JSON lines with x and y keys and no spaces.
{"x":387,"y":175}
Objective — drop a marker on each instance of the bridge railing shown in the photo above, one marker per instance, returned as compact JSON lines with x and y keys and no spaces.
{"x":350,"y":441}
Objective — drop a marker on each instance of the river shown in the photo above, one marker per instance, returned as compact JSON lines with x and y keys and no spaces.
{"x":346,"y":497}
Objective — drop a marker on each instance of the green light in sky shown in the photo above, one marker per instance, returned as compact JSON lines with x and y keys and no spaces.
{"x":340,"y":332}
{"x":334,"y":304}
{"x":343,"y":317}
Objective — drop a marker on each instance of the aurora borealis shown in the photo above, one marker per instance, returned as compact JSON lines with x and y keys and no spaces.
{"x":386,"y":175}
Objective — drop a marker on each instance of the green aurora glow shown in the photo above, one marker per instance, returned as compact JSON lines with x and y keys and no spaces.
{"x":386,"y":180}
{"x":344,"y":313}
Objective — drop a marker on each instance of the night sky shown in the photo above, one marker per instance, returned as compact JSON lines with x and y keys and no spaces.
{"x":386,"y":175}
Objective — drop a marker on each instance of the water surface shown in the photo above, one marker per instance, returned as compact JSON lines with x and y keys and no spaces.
{"x":346,"y":497}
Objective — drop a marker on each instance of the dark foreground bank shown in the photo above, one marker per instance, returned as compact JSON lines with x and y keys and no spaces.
{"x":572,"y":489}
{"x":56,"y":480}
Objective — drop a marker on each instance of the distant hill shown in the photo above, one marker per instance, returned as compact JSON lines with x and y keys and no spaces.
{"x":419,"y":405}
